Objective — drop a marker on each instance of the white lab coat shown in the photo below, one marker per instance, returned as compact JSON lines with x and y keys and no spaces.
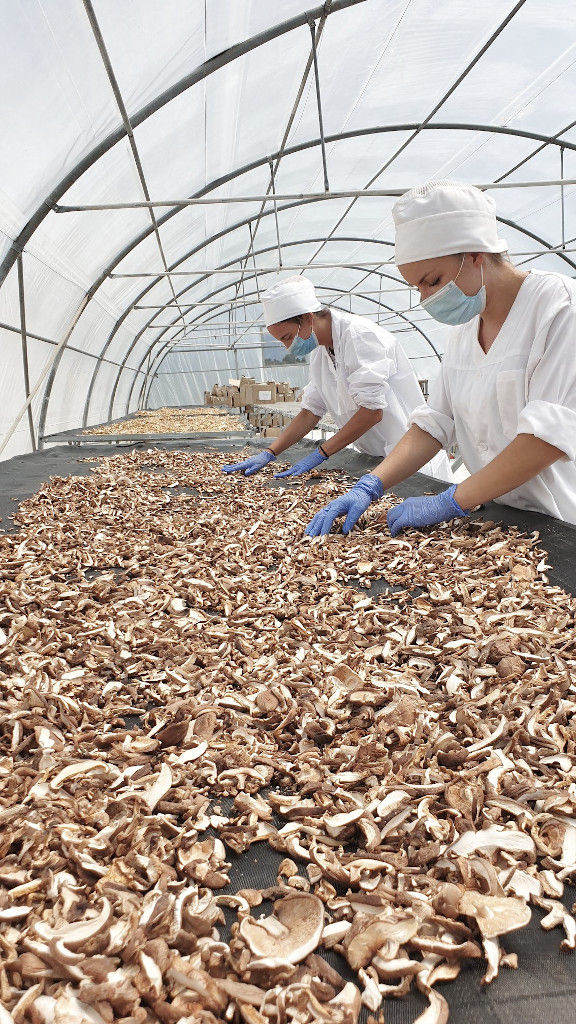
{"x":371,"y":371}
{"x":524,"y":384}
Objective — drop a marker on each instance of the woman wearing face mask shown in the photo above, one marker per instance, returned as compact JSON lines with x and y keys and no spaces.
{"x":506,"y":392}
{"x":358,"y":373}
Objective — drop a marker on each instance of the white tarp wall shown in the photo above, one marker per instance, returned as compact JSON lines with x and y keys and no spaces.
{"x":410,"y":90}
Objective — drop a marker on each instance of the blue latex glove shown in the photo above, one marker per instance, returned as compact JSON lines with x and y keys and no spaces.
{"x":352,"y":504}
{"x":305,"y":465}
{"x":426,"y":511}
{"x":252,"y":465}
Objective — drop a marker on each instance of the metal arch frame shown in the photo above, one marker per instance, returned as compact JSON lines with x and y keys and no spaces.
{"x":344,"y":136}
{"x":216,"y":291}
{"x":185,"y":83}
{"x":157,"y":103}
{"x":503,"y":220}
{"x":145,"y":392}
{"x":198,"y":321}
{"x":216,"y":183}
{"x":440,"y":103}
{"x":210,"y":315}
{"x":197,"y":75}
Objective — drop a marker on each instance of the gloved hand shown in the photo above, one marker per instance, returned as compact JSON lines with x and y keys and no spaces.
{"x":352,"y":504}
{"x":425,"y":511}
{"x":251,"y":465}
{"x":307,"y":463}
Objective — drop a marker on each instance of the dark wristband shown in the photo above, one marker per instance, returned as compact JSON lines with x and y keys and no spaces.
{"x":325,"y":454}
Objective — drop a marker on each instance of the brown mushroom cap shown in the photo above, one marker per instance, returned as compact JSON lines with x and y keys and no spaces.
{"x":495,"y":915}
{"x":377,"y":932}
{"x":287,"y":936}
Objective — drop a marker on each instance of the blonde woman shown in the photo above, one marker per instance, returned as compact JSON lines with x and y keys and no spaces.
{"x":506,"y":391}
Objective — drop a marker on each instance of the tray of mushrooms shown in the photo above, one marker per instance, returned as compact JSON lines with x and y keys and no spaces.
{"x":189,"y":683}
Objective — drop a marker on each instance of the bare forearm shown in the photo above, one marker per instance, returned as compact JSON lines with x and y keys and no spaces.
{"x":412,"y":452}
{"x":356,"y":427}
{"x":301,"y":425}
{"x":522,"y":459}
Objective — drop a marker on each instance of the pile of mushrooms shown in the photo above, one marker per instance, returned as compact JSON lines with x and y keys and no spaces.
{"x":184,"y":677}
{"x":173,"y":421}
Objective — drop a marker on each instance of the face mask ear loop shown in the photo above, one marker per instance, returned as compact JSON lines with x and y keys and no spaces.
{"x":461,"y":265}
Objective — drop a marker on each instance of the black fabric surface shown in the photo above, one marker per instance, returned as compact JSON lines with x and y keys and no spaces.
{"x":543,"y":988}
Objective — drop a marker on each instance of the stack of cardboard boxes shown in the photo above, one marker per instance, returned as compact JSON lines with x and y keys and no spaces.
{"x":269,"y":424}
{"x":247,"y":393}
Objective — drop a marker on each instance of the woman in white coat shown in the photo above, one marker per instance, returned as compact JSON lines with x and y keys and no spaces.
{"x":506,"y":391}
{"x":358,"y":373}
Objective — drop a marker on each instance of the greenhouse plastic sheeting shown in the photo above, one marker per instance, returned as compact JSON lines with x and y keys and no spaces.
{"x":106,"y":102}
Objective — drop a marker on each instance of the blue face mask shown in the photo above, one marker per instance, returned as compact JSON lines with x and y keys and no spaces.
{"x":451,"y":306}
{"x":301,"y":347}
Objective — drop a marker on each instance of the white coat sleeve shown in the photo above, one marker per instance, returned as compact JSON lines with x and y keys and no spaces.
{"x":312,"y":397}
{"x":313,"y":400}
{"x":369,"y":362}
{"x":435,"y":416}
{"x":550,"y":412}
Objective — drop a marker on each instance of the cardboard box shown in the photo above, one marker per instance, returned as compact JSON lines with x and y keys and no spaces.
{"x":263,"y":395}
{"x":246,"y":386}
{"x":272,"y":431}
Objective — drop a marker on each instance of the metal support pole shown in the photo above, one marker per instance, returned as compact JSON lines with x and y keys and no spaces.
{"x":275,"y":212}
{"x":288,"y":129}
{"x":254,"y":262}
{"x":562,"y":196}
{"x":128,"y":128}
{"x":34,"y":391}
{"x":25,"y":347}
{"x":319,"y":105}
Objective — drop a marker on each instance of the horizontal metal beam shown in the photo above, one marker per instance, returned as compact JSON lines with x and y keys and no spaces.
{"x":210,"y":337}
{"x":241,"y":304}
{"x":262,"y":270}
{"x":261,"y":366}
{"x":236,"y":303}
{"x":272,"y":197}
{"x":69,"y":348}
{"x":224,"y":326}
{"x":221,"y":348}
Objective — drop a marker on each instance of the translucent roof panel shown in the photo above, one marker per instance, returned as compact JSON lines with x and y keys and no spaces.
{"x":122,"y":106}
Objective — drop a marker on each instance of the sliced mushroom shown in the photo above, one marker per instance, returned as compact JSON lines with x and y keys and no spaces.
{"x":288,"y":936}
{"x":495,"y":915}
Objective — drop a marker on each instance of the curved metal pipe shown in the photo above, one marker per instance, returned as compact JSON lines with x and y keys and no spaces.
{"x":343,"y":136}
{"x":198,"y":75}
{"x":503,"y":220}
{"x":366,"y":298}
{"x":216,"y":291}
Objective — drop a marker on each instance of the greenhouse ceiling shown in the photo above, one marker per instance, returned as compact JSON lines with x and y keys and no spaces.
{"x":162,"y":163}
